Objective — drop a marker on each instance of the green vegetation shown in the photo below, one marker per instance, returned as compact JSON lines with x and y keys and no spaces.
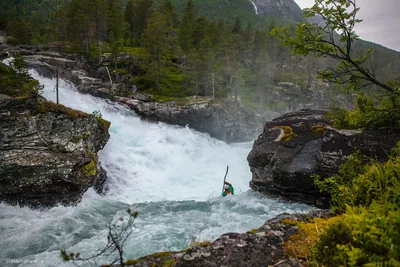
{"x":90,"y":169}
{"x":212,"y":48}
{"x":300,"y":245}
{"x":353,"y":67}
{"x":365,"y":194}
{"x":15,"y":80}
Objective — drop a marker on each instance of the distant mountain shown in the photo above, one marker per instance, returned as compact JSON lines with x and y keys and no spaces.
{"x":280,"y":12}
{"x":279,"y":8}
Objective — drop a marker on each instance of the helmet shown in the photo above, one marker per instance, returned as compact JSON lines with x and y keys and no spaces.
{"x":226,"y":187}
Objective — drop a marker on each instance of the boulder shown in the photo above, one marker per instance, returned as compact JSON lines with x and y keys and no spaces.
{"x":297,"y":145}
{"x":48,"y":153}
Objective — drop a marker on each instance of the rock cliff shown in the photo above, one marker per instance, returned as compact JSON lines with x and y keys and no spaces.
{"x":223,"y":121}
{"x":48,"y":153}
{"x":297,"y":145}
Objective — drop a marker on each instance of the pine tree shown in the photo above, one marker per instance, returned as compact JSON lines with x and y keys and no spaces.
{"x":142,"y":11}
{"x":160,"y":42}
{"x":237,"y":27}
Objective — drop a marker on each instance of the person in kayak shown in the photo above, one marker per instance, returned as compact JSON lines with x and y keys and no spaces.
{"x":228,"y":189}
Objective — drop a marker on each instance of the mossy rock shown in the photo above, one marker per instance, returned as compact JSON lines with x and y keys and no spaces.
{"x":318,"y":129}
{"x":164,"y":259}
{"x":104,"y":122}
{"x":287,"y":133}
{"x":89,"y":169}
{"x":47,"y":106}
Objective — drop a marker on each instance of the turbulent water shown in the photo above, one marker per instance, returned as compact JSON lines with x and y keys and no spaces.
{"x":172,"y":175}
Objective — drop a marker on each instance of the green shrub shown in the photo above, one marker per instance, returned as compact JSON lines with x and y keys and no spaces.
{"x":381,"y":110}
{"x":16,"y":81}
{"x":359,"y":183}
{"x":366,"y":236}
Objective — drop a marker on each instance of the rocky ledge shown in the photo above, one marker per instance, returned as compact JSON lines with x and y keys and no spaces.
{"x":298,"y":145}
{"x":225,"y":121}
{"x":48,"y":153}
{"x":259,"y":247}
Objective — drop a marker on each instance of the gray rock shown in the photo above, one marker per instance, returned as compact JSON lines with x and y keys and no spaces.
{"x":48,"y":153}
{"x":222,"y":121}
{"x":284,"y":168}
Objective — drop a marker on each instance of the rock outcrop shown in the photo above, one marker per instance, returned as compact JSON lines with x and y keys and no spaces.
{"x":48,"y":153}
{"x":298,"y":145}
{"x":222,"y":121}
{"x":259,"y":247}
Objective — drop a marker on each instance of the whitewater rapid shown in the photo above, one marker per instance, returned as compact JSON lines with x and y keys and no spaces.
{"x":172,"y":175}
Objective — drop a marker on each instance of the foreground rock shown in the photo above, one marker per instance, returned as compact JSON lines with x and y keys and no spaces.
{"x":259,"y":247}
{"x":284,"y":168}
{"x":225,"y":121}
{"x":48,"y":153}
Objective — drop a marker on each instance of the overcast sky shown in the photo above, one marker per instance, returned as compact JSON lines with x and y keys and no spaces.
{"x":381,"y":21}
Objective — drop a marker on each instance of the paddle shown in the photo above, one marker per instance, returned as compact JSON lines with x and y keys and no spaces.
{"x":227,"y":168}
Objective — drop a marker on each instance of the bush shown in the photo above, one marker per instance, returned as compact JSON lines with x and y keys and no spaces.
{"x":16,"y":81}
{"x":366,"y":236}
{"x":359,"y":183}
{"x":368,"y":233}
{"x":381,"y":110}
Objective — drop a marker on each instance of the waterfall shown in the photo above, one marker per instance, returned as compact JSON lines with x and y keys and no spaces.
{"x":255,"y":7}
{"x":171,"y":175}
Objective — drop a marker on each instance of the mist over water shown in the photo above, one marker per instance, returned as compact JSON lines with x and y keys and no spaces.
{"x":172,"y":175}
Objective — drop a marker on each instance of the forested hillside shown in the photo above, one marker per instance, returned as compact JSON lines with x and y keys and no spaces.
{"x":183,"y":48}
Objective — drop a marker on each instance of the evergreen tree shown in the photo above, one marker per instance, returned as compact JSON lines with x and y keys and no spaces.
{"x":142,"y":11}
{"x":237,"y":27}
{"x":129,"y":17}
{"x":186,"y":28}
{"x":160,"y":42}
{"x":115,"y":20}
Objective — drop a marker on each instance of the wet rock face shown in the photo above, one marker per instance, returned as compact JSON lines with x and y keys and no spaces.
{"x":284,"y":168}
{"x":48,"y":155}
{"x":224,"y":122}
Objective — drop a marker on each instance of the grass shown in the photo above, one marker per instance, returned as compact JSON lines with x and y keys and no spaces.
{"x":300,"y":245}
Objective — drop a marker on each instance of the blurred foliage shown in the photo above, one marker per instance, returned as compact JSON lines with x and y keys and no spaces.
{"x":15,"y":80}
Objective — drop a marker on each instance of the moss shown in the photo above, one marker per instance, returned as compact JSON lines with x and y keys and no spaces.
{"x":318,"y":129}
{"x":169,"y":263}
{"x":47,"y":106}
{"x":299,"y":245}
{"x":288,"y":133}
{"x":90,"y":169}
{"x":200,"y":244}
{"x":158,"y":255}
{"x":104,"y":122}
{"x":132,"y":262}
{"x":253,"y":231}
